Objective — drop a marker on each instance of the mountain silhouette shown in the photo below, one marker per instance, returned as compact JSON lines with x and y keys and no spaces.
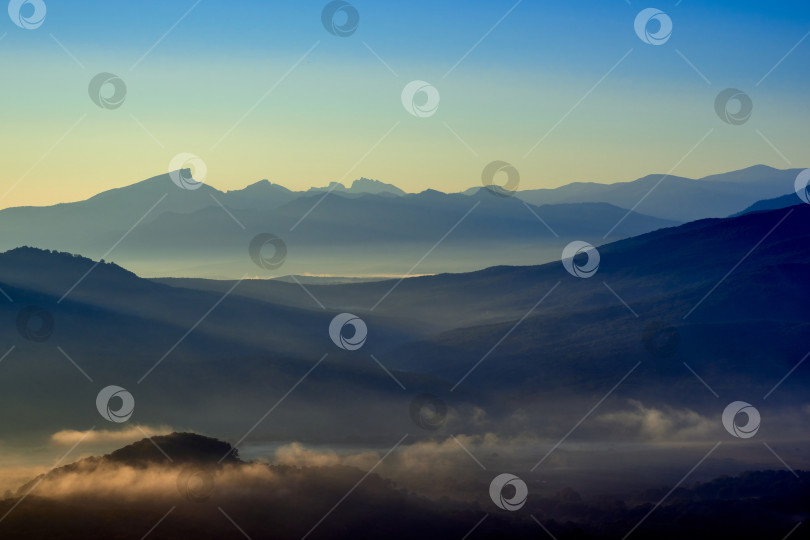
{"x":362,"y":186}
{"x":785,"y":201}
{"x":677,"y":198}
{"x":156,"y":228}
{"x":182,"y":448}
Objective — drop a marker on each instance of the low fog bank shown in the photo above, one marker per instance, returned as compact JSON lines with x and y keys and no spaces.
{"x":185,"y":485}
{"x":623,"y":445}
{"x":366,"y":260}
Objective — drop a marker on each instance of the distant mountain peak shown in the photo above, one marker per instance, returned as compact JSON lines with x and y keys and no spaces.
{"x":185,"y":174}
{"x":755,"y":174}
{"x":758,"y":167}
{"x":362,"y":186}
{"x":367,"y":185}
{"x":259,"y":183}
{"x":261,"y":186}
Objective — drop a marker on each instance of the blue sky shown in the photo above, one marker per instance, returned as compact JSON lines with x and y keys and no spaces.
{"x":337,"y":114}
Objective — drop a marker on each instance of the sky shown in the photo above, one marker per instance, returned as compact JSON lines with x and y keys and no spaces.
{"x":564,"y":91}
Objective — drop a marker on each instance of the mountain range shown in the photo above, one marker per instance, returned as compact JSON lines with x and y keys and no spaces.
{"x":678,"y":198}
{"x":155,"y":228}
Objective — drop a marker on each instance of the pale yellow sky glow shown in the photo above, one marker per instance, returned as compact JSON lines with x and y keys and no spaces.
{"x":309,"y":123}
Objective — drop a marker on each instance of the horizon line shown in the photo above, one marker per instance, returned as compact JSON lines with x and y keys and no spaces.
{"x":329,"y":188}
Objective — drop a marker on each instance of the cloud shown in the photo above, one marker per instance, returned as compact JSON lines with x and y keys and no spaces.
{"x":100,"y":498}
{"x":297,"y":455}
{"x":660,"y":425}
{"x":93,"y":479}
{"x":434,"y":468}
{"x":69,"y":437}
